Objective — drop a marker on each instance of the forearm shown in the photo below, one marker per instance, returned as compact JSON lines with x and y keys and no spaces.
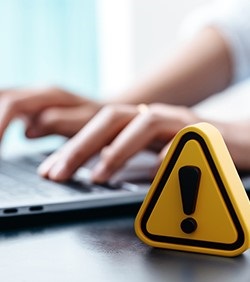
{"x":200,"y":69}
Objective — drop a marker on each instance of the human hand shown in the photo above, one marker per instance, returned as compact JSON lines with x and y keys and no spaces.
{"x":46,"y":111}
{"x":119,"y":131}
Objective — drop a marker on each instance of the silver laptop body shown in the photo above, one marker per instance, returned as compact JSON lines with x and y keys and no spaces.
{"x":23,"y":191}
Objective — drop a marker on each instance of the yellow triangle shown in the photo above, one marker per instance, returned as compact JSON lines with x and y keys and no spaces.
{"x":221,"y":213}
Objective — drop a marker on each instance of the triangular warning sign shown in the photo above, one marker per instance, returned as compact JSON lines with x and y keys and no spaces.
{"x":197,"y":201}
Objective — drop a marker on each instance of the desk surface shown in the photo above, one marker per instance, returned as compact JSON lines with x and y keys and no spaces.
{"x":105,"y":249}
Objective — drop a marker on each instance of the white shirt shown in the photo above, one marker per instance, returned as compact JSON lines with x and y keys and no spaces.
{"x":232,"y":19}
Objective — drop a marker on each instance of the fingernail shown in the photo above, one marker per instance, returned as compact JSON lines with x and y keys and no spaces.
{"x":43,"y":169}
{"x":100,"y":173}
{"x":58,"y":171}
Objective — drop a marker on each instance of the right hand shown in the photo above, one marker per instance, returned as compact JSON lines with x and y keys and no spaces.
{"x":46,"y":111}
{"x":118,"y":132}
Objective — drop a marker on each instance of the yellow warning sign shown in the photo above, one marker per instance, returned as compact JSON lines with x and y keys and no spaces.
{"x":197,"y":201}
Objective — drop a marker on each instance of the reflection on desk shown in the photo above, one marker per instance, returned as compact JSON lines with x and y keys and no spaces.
{"x":105,"y":249}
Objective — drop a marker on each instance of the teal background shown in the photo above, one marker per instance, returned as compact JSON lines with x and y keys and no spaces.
{"x":47,"y":42}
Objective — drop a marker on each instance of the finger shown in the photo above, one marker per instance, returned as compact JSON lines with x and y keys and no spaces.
{"x":4,"y":90}
{"x":158,"y":123}
{"x":62,"y":121}
{"x":49,"y":161}
{"x":94,"y":136}
{"x":14,"y":103}
{"x":137,"y":135}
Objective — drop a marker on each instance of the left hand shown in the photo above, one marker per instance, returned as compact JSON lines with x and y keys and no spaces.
{"x":119,"y":131}
{"x":46,"y":110}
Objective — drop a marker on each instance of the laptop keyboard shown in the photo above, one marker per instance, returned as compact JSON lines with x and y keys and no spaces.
{"x":14,"y":175}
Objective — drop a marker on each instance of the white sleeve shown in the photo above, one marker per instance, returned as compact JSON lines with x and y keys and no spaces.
{"x":232,"y":19}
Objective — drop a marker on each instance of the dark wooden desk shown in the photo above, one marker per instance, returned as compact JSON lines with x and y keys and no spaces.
{"x":104,"y":249}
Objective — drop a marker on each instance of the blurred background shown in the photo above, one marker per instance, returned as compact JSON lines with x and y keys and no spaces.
{"x":48,"y":42}
{"x":91,"y":47}
{"x":94,"y":47}
{"x":136,"y":37}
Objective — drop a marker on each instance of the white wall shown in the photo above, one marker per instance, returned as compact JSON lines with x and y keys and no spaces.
{"x":115,"y":20}
{"x":135,"y":37}
{"x":156,"y":28}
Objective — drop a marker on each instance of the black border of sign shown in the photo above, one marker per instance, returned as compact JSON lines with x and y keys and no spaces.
{"x":191,"y":242}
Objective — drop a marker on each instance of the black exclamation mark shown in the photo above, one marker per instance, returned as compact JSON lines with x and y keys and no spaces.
{"x":189,"y":178}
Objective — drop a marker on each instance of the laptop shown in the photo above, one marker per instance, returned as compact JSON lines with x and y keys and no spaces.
{"x":23,"y":192}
